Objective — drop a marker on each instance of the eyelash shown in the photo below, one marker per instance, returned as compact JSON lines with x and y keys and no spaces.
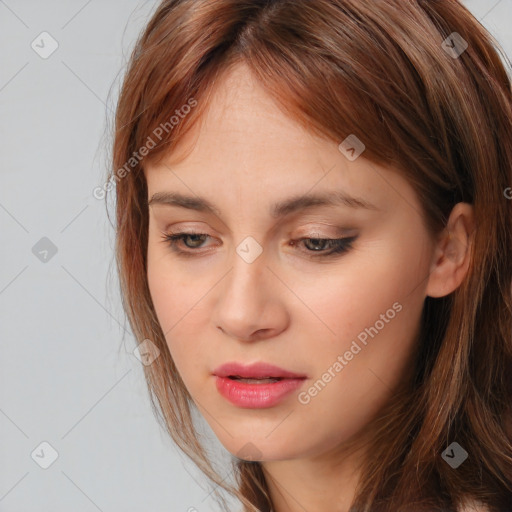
{"x":340,"y":245}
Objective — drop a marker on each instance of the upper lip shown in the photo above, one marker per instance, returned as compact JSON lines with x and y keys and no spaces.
{"x":255,"y":371}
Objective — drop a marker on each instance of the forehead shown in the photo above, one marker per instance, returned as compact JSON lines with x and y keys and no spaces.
{"x":240,"y":120}
{"x":245,"y":147}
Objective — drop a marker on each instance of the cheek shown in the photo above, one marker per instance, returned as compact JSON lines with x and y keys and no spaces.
{"x":181,"y":298}
{"x":174,"y":290}
{"x":370,"y":316}
{"x":174,"y":296}
{"x":366,"y":285}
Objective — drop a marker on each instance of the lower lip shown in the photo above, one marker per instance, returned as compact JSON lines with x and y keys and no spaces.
{"x":256,"y":395}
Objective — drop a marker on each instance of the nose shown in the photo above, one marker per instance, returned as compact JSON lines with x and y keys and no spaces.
{"x":250,"y":303}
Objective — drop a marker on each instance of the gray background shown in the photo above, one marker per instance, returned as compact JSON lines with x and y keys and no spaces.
{"x":67,"y":376}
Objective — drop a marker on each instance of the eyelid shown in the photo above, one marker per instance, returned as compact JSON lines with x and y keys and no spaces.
{"x":326,"y":229}
{"x":324,"y":232}
{"x":338,"y":233}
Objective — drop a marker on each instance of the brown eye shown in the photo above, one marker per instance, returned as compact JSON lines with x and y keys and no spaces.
{"x":323,"y":247}
{"x":334,"y":245}
{"x":174,"y":240}
{"x":317,"y":244}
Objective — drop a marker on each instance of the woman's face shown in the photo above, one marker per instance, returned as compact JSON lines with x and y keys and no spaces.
{"x":252,"y":291}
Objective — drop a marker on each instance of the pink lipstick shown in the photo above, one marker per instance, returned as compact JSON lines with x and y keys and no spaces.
{"x":257,"y":385}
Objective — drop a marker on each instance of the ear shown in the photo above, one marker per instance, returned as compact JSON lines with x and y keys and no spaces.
{"x":452,"y":253}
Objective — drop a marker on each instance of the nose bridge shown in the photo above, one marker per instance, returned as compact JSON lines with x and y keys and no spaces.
{"x":245,"y":298}
{"x":248,"y":269}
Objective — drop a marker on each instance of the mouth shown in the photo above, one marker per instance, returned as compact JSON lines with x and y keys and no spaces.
{"x":256,"y":386}
{"x":256,"y":373}
{"x":267,"y":380}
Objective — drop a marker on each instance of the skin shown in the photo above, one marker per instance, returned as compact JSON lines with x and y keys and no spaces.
{"x":288,"y":307}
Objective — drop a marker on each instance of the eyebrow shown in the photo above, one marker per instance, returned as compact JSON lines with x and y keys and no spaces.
{"x":277,"y":210}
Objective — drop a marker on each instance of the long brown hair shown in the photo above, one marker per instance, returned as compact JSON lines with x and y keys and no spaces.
{"x":398,"y":75}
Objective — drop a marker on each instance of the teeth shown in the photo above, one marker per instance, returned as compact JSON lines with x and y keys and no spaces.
{"x":256,"y":381}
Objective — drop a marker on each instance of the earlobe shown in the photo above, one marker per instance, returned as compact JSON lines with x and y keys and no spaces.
{"x":450,"y":262}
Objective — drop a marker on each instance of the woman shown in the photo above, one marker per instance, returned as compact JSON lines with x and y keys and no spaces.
{"x":314,"y":240}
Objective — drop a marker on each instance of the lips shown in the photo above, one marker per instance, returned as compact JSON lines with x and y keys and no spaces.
{"x":236,"y":370}
{"x":256,"y":386}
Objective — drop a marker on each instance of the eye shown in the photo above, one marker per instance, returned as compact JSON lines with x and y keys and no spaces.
{"x":335,"y":245}
{"x":322,"y":246}
{"x":172,"y":239}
